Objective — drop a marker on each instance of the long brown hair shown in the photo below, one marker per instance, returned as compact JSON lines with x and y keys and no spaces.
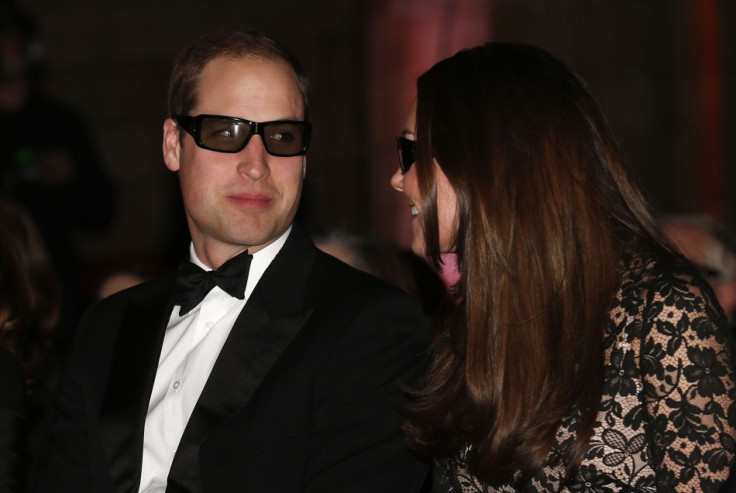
{"x":30,"y":293}
{"x":544,"y":207}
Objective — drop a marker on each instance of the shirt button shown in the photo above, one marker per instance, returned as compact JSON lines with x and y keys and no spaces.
{"x":621,"y":372}
{"x":177,"y":385}
{"x":209,"y":325}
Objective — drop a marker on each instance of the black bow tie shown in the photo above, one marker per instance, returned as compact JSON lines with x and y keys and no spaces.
{"x":193,"y":283}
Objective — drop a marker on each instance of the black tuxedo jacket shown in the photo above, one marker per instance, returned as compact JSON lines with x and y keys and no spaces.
{"x":303,"y":396}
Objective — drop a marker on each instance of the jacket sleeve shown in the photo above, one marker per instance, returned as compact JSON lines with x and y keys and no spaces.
{"x":358,"y":445}
{"x":69,"y":457}
{"x":12,"y":422}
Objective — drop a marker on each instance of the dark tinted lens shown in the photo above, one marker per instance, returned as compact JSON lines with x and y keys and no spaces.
{"x":224,"y":134}
{"x":285,"y":138}
{"x":406,"y":153}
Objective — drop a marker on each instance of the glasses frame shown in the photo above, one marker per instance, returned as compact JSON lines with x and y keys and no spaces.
{"x":193,"y":126}
{"x":406,"y":148}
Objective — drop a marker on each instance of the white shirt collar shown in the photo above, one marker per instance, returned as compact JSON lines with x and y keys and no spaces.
{"x":261,"y":260}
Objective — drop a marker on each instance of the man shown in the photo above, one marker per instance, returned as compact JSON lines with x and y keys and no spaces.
{"x":293,"y":388}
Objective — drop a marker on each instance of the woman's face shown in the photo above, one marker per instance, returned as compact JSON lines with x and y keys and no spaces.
{"x":446,"y":199}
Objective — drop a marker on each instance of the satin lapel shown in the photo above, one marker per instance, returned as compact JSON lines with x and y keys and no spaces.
{"x":124,"y":408}
{"x":272,"y":317}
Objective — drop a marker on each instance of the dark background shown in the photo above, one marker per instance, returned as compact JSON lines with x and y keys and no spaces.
{"x":663,"y":72}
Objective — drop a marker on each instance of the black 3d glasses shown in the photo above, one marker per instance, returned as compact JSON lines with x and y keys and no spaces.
{"x":282,"y":138}
{"x":406,"y":153}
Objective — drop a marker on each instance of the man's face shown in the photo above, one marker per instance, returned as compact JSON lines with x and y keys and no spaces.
{"x":246,"y":199}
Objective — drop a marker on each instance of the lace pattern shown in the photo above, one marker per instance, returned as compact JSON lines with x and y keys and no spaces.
{"x":667,"y":415}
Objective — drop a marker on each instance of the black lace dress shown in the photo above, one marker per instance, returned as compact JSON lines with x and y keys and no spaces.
{"x":667,"y":415}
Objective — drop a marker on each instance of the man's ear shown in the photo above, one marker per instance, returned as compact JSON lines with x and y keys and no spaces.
{"x":171,"y":146}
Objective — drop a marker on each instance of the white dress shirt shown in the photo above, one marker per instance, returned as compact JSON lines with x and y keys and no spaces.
{"x":191,"y":345}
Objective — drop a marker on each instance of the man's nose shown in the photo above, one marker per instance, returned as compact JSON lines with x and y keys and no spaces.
{"x":253,"y":159}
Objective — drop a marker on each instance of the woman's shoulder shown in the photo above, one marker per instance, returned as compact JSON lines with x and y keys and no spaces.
{"x":664,"y":297}
{"x":672,"y":347}
{"x":666,"y":279}
{"x":650,"y":267}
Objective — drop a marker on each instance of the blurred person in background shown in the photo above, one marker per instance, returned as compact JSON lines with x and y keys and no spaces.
{"x":49,"y":162}
{"x":29,"y":310}
{"x":586,"y":354}
{"x":387,"y":261}
{"x":712,"y":248}
{"x":117,"y":281}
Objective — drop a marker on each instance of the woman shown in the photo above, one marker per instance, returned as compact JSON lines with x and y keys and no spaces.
{"x":29,"y":300}
{"x":583,"y":353}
